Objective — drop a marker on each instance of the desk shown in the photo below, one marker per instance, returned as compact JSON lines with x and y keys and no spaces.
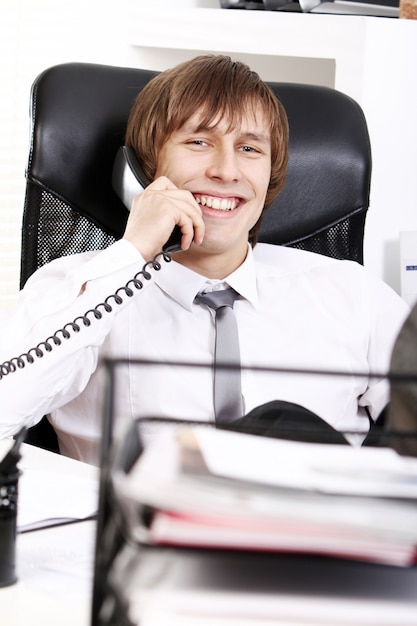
{"x":55,"y":571}
{"x":55,"y":565}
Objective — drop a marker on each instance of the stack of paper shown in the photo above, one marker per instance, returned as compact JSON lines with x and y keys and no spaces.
{"x":206,"y":487}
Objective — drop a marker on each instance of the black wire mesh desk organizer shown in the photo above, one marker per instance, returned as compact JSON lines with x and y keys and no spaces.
{"x":136,"y":577}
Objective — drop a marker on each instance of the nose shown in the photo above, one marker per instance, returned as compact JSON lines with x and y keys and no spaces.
{"x":224,"y":165}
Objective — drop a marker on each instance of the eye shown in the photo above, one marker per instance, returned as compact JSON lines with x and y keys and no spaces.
{"x":197,"y":142}
{"x":250,"y":150}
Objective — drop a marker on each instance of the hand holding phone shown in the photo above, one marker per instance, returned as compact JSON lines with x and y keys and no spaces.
{"x":129,"y":180}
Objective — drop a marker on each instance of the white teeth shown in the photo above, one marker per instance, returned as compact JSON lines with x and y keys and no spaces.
{"x":220,"y":204}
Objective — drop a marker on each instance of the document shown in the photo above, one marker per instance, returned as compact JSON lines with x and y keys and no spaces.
{"x":50,"y":499}
{"x":211,"y":488}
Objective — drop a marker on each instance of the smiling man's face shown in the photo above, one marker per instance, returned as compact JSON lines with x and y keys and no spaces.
{"x":228,"y":172}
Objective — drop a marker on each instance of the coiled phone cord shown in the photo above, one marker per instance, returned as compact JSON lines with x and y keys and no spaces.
{"x":128,"y":290}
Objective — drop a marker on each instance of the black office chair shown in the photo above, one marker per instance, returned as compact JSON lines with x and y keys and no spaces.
{"x":79,"y":113}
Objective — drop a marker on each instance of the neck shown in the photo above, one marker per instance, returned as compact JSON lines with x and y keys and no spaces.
{"x":211,"y":265}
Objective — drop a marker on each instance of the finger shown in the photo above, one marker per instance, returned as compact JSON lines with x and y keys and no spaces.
{"x":186,"y":213}
{"x":157,"y":210}
{"x":161,"y":183}
{"x":190,"y":220}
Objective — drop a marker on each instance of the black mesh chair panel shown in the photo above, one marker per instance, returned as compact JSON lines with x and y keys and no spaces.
{"x":58,"y":230}
{"x":78,"y":117}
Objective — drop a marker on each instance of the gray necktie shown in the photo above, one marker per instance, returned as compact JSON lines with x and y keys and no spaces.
{"x":228,"y":404}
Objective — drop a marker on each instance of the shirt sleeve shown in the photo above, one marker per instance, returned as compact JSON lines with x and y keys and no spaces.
{"x":386,"y":313}
{"x":57,"y":294}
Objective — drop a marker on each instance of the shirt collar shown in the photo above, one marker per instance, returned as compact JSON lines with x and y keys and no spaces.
{"x":182,"y":284}
{"x":243,"y":279}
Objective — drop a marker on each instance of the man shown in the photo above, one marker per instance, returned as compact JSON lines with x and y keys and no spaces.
{"x":212,"y":138}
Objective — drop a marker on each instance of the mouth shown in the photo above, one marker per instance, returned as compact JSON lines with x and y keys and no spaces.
{"x":217,"y":203}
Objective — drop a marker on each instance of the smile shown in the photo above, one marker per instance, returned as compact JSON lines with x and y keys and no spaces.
{"x":220,"y":204}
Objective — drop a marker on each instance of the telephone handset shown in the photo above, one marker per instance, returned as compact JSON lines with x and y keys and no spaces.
{"x":128,"y":180}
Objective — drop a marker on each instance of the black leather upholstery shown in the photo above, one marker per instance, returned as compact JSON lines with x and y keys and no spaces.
{"x":324,"y":202}
{"x":79,"y":113}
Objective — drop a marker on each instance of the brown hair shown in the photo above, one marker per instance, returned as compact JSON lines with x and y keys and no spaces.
{"x":219,"y":87}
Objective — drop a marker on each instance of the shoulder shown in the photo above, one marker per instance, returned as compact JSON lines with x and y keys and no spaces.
{"x":283,"y":259}
{"x":348,"y":281}
{"x":58,"y":269}
{"x":87,"y":265}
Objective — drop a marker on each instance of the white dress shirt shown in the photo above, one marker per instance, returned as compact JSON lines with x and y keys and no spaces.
{"x":298,"y":310}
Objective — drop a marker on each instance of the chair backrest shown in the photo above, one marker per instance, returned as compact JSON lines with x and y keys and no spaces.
{"x":79,"y":113}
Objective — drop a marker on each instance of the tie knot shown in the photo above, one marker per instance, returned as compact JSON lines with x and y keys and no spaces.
{"x":217,"y":299}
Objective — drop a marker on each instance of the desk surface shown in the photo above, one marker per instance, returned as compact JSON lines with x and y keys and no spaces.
{"x":54,"y":566}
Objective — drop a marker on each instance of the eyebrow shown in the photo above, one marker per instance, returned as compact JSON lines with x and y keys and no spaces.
{"x":248,"y":135}
{"x":260,"y":137}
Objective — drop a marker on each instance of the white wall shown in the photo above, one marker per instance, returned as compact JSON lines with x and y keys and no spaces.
{"x":35,"y":34}
{"x":390,"y":105}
